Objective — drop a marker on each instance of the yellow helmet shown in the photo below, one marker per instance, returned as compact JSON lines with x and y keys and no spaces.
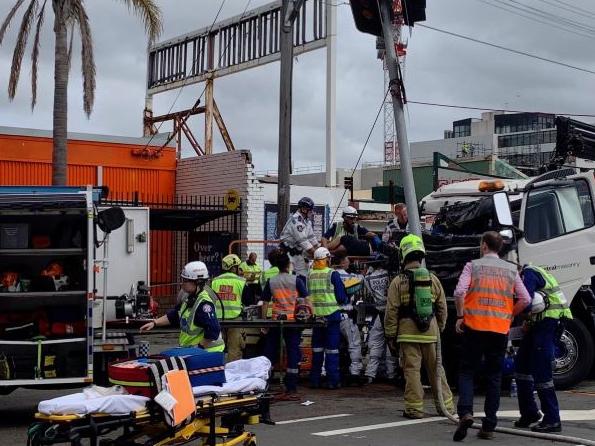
{"x":229,"y":261}
{"x":411,"y":243}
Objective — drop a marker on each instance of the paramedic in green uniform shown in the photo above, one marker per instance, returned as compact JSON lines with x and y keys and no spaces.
{"x":195,"y":314}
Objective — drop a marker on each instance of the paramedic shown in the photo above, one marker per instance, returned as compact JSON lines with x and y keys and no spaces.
{"x":489,"y":293}
{"x":415,"y":311}
{"x":195,"y":314}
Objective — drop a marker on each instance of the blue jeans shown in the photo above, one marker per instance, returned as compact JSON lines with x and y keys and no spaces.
{"x":477,"y":345}
{"x":292,"y":338}
{"x":533,"y":365}
{"x":325,"y":348}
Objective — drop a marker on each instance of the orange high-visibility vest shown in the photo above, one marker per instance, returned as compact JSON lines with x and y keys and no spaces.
{"x":284,"y":295}
{"x":489,"y":302}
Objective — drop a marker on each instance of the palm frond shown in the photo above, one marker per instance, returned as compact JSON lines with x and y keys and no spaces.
{"x":87,"y":58}
{"x":19,"y":49}
{"x":150,"y":14}
{"x":9,"y":18}
{"x":35,"y":55}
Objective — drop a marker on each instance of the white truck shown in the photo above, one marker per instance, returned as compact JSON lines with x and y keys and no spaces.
{"x":553,"y":227}
{"x":51,"y":283}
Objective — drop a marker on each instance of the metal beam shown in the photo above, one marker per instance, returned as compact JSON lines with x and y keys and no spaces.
{"x":222,"y":128}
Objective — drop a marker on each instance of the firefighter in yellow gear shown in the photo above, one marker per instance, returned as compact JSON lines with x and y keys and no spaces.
{"x":415,"y":312}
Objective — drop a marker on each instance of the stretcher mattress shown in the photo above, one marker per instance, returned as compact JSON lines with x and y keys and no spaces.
{"x":244,"y":375}
{"x":79,"y":404}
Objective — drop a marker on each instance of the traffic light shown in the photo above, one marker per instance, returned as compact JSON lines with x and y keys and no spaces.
{"x":366,"y":15}
{"x":413,"y":11}
{"x":348,"y":183}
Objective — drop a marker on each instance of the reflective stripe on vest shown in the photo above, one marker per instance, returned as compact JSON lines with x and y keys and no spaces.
{"x":322,"y":292}
{"x":558,"y":304}
{"x":190,"y":334}
{"x":284,"y":295}
{"x":340,"y":231}
{"x":489,"y":301}
{"x":229,"y":287}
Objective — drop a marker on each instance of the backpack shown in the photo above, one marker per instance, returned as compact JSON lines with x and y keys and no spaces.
{"x":421,"y":307}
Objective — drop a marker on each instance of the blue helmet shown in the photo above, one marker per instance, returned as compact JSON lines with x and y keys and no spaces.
{"x":306,"y":202}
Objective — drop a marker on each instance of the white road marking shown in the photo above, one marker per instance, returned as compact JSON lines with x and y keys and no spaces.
{"x":371,"y":427}
{"x":325,"y":417}
{"x":565,"y":415}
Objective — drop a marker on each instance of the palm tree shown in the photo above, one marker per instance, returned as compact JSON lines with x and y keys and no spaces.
{"x":68,"y":15}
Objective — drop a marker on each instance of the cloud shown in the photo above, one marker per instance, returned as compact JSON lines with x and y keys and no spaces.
{"x":439,"y":68}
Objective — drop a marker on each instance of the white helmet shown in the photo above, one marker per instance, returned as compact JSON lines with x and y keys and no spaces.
{"x":350,"y":211}
{"x":195,"y":271}
{"x":322,"y":253}
{"x":538,"y":302}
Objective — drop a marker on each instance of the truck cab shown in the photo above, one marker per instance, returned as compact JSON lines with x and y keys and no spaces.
{"x":553,"y":227}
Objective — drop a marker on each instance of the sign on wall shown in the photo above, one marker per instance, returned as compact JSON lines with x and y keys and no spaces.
{"x":210,"y":248}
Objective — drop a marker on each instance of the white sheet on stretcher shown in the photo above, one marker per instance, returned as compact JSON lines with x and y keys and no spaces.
{"x":80,"y":404}
{"x":245,"y":375}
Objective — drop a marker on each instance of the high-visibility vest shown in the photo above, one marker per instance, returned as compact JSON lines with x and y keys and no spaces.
{"x":266,"y":275}
{"x":340,"y":231}
{"x":322,"y":292}
{"x":489,"y":302}
{"x":190,"y":334}
{"x":251,"y":272}
{"x":557,"y":306}
{"x":284,"y":295}
{"x":229,"y":287}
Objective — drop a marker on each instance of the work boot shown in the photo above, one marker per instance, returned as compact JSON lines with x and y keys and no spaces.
{"x":465,"y":423}
{"x":545,"y":428}
{"x":413,"y":414}
{"x":331,"y":386}
{"x":485,"y":435}
{"x":528,"y":421}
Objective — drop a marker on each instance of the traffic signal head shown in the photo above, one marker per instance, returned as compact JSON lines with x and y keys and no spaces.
{"x":366,"y":15}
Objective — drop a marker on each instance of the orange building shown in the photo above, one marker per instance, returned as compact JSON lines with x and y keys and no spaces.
{"x":122,"y":164}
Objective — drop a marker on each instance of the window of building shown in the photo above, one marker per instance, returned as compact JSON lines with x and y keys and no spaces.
{"x":552,"y":212}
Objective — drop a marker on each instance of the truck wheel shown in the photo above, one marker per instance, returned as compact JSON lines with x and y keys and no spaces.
{"x":573,"y":355}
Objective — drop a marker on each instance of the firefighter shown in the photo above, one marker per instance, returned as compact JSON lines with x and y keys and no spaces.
{"x":485,"y":302}
{"x":298,"y":238}
{"x":415,"y":311}
{"x":536,"y":352}
{"x":349,"y":329}
{"x":282,"y":292}
{"x":327,"y":293}
{"x":376,"y":282}
{"x":195,"y":314}
{"x":252,"y":272}
{"x":233,"y":294}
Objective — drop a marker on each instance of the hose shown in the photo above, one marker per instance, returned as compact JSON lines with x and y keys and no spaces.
{"x":504,"y":430}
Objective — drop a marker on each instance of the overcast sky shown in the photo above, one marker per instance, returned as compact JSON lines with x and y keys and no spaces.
{"x":439,"y":68}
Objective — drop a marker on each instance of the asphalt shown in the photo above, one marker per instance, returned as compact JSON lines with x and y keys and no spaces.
{"x":370,"y":415}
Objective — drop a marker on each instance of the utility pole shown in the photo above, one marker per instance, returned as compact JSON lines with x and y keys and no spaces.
{"x":289,"y":12}
{"x":400,"y":125}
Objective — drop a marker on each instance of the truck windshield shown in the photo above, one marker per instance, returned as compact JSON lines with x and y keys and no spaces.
{"x":552,"y":212}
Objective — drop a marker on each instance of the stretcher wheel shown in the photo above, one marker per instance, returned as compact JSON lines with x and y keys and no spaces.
{"x":250,"y":442}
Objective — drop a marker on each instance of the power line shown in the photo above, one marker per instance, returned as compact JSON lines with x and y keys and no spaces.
{"x":573,"y":9}
{"x":361,"y":154}
{"x":577,"y":8}
{"x":465,"y":107}
{"x":504,"y":7}
{"x":522,"y":53}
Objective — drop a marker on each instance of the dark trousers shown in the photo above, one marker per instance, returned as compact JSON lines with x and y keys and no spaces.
{"x":477,"y":345}
{"x":325,"y":349}
{"x":292,"y":338}
{"x":533,"y":365}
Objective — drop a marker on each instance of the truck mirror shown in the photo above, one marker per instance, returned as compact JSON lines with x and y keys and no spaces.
{"x":110,"y":219}
{"x":502,"y":207}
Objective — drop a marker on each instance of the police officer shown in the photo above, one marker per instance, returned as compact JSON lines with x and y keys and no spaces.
{"x":327,"y":293}
{"x":485,"y":300}
{"x":195,"y":314}
{"x":536,"y":352}
{"x":297,"y":237}
{"x":281,"y":293}
{"x":376,"y":282}
{"x":415,"y":311}
{"x":233,"y":293}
